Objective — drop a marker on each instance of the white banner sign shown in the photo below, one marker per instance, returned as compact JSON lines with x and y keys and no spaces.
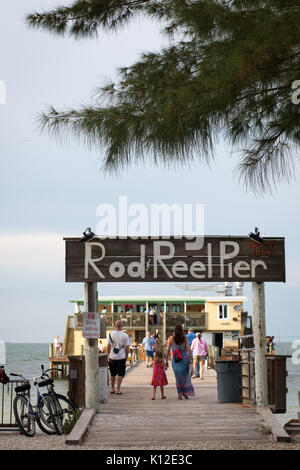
{"x":91,"y":325}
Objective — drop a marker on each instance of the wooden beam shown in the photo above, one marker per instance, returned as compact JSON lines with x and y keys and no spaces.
{"x":80,"y":429}
{"x":270,"y":421}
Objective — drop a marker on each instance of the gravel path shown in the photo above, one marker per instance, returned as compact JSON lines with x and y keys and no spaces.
{"x":14,"y":441}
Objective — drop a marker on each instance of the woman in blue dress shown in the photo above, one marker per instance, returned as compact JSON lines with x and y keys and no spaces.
{"x":181,"y":351}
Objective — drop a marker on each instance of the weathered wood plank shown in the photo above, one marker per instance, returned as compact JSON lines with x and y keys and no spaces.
{"x":199,"y":418}
{"x":129,"y":247}
{"x":208,"y":259}
{"x":80,"y":429}
{"x":270,"y":420}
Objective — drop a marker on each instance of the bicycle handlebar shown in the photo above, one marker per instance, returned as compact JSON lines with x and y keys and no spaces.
{"x":34,"y":379}
{"x":52,"y":368}
{"x":26,"y":379}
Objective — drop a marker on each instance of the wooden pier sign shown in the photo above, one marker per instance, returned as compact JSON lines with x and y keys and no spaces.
{"x":172,"y":259}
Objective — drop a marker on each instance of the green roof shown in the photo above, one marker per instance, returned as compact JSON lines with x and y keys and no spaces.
{"x":142,"y":302}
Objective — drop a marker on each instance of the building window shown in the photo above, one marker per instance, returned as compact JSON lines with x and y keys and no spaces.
{"x":223,"y":312}
{"x":140,"y":308}
{"x":176,"y":308}
{"x":129,"y":308}
{"x":118,"y":308}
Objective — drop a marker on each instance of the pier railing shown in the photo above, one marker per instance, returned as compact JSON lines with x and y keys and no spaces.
{"x":7,"y":394}
{"x":137,"y":320}
{"x":130,"y":320}
{"x":195,"y":320}
{"x":54,"y":353}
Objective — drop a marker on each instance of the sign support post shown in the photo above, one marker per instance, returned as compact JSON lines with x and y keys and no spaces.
{"x":92,"y":382}
{"x":259,"y":332}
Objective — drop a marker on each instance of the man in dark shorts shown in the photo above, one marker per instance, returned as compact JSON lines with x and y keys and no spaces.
{"x":118,"y":349}
{"x":148,"y":344}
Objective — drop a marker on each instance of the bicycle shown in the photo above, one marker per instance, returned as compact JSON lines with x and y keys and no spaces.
{"x":27,"y":415}
{"x":64,"y":408}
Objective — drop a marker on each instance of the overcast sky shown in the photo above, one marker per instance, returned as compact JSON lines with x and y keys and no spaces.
{"x":50,"y":190}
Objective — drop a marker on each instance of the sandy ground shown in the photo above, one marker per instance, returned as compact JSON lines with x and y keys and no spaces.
{"x":14,"y":441}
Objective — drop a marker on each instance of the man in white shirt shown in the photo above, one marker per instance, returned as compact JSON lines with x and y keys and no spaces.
{"x":118,"y":349}
{"x":57,"y":345}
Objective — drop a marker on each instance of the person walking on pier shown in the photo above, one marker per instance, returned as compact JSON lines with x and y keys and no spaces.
{"x":148,"y":344}
{"x":190,"y":337}
{"x":159,"y":378}
{"x":135,"y":350}
{"x":182,"y":358}
{"x":118,"y":349}
{"x":199,"y":348}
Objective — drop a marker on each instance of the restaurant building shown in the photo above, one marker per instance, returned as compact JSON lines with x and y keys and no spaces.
{"x":221,"y":318}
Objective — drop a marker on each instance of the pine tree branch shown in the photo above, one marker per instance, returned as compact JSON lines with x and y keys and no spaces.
{"x":231,"y":75}
{"x":84,"y":18}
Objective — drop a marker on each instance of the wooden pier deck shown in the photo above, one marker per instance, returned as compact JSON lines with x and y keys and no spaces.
{"x":134,"y":420}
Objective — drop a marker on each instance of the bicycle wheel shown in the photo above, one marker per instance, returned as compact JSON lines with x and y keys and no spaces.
{"x":65,"y":407}
{"x":24,"y":419}
{"x":46,"y":418}
{"x":54,"y":417}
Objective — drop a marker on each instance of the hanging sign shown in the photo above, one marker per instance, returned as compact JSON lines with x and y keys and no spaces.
{"x":215,"y":259}
{"x":91,"y":325}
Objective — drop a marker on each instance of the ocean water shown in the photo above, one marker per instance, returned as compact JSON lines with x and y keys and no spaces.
{"x":27,"y":358}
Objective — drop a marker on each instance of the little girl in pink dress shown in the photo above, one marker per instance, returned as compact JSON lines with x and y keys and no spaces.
{"x":159,"y":378}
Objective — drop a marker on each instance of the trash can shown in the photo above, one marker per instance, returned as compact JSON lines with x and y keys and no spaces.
{"x":228,"y":381}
